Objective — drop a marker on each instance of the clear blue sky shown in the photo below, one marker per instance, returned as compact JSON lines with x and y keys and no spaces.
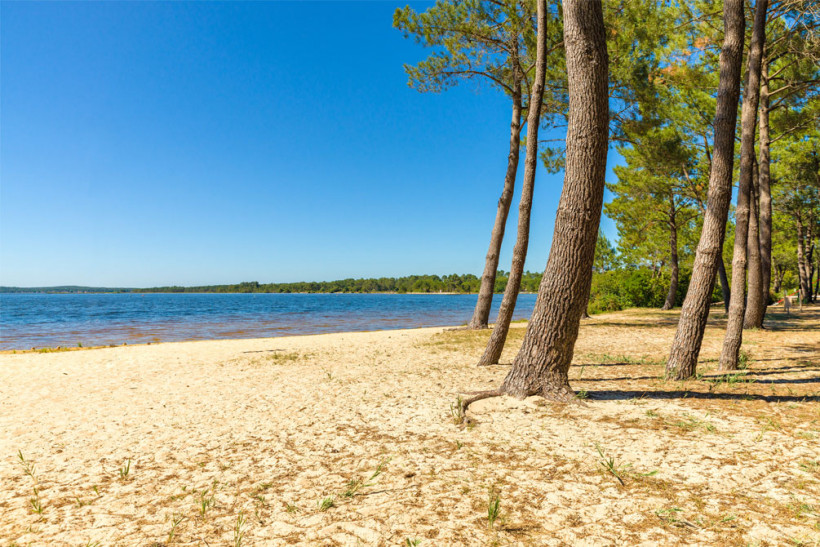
{"x":155,"y":143}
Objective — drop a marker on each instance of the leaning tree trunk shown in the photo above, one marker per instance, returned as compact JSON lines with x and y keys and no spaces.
{"x":753,"y":317}
{"x":748,"y":123}
{"x":725,"y":292}
{"x":502,"y":325}
{"x":817,"y":281}
{"x":765,"y":193}
{"x":673,"y":256}
{"x":683,"y":356}
{"x":810,"y":260}
{"x":802,"y":267}
{"x":485,"y":293}
{"x":724,"y":282}
{"x":541,"y":367}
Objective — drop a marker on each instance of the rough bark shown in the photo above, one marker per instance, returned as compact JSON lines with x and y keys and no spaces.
{"x":502,"y":324}
{"x":683,"y":356}
{"x":748,"y":123}
{"x":724,"y":282}
{"x":541,"y":367}
{"x":810,"y":258}
{"x":764,"y":183}
{"x":753,"y":317}
{"x":481,"y":313}
{"x":802,"y":266}
{"x":817,"y":281}
{"x":673,"y":255}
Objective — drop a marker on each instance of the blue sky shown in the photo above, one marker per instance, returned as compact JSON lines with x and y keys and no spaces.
{"x":156,"y":143}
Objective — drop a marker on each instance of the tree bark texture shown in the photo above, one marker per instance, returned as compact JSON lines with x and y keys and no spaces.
{"x":541,"y":367}
{"x":817,"y":281}
{"x":683,"y":356}
{"x":748,"y":124}
{"x":753,"y":317}
{"x":725,"y":292}
{"x":502,"y":324}
{"x":673,"y":256}
{"x":481,"y":313}
{"x":764,"y":183}
{"x":802,"y":262}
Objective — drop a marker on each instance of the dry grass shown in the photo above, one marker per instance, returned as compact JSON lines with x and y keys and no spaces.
{"x":213,"y":431}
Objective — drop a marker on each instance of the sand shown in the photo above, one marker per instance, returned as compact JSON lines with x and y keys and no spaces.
{"x":241,"y":441}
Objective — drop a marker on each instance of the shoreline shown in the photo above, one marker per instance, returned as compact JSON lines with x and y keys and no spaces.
{"x":61,"y":349}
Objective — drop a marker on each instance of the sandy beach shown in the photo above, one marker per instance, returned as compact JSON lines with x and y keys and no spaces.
{"x":275,"y":441}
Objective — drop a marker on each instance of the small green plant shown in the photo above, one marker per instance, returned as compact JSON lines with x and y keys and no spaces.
{"x":175,"y":520}
{"x":36,"y":504}
{"x":205,"y":503}
{"x":652,"y":414}
{"x":668,"y":515}
{"x":354,"y":485}
{"x":608,"y":463}
{"x":238,"y":533}
{"x":582,"y":394}
{"x":125,"y":469}
{"x":326,"y":503}
{"x":457,"y":411}
{"x":411,"y":542}
{"x":810,"y":466}
{"x":743,"y":359}
{"x":79,"y":344}
{"x":691,"y":423}
{"x":493,"y":508}
{"x":28,"y":466}
{"x":290,"y":508}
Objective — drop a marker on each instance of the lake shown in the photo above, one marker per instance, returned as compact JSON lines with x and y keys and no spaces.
{"x":50,"y":320}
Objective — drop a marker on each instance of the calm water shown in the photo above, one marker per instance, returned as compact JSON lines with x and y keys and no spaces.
{"x":49,"y":320}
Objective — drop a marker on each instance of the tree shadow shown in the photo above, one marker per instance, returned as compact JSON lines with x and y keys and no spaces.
{"x":626,"y":395}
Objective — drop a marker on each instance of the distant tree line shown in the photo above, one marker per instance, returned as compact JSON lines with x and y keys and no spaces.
{"x":454,"y":283}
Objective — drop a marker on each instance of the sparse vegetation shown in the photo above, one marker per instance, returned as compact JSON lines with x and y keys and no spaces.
{"x":493,"y":507}
{"x":326,"y":503}
{"x":125,"y":469}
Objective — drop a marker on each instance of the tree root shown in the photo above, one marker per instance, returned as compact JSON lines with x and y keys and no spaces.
{"x":476,"y":396}
{"x":561,"y":396}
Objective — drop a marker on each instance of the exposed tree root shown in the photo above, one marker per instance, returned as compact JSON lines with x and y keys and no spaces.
{"x":477,"y":396}
{"x":562,"y":396}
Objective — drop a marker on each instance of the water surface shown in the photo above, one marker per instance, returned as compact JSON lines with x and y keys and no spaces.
{"x":50,"y":320}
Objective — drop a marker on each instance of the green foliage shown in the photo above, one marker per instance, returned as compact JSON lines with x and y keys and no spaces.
{"x":454,"y":283}
{"x":632,"y":288}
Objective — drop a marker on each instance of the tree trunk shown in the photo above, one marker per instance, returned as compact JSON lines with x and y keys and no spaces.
{"x":748,"y":123}
{"x":485,"y":293}
{"x":673,"y":256}
{"x":502,"y":324}
{"x":817,"y":281}
{"x":683,"y":356}
{"x":810,"y":259}
{"x":753,"y":319}
{"x":724,"y":282}
{"x":802,"y":267}
{"x":541,"y":367}
{"x":765,"y":191}
{"x":778,"y":279}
